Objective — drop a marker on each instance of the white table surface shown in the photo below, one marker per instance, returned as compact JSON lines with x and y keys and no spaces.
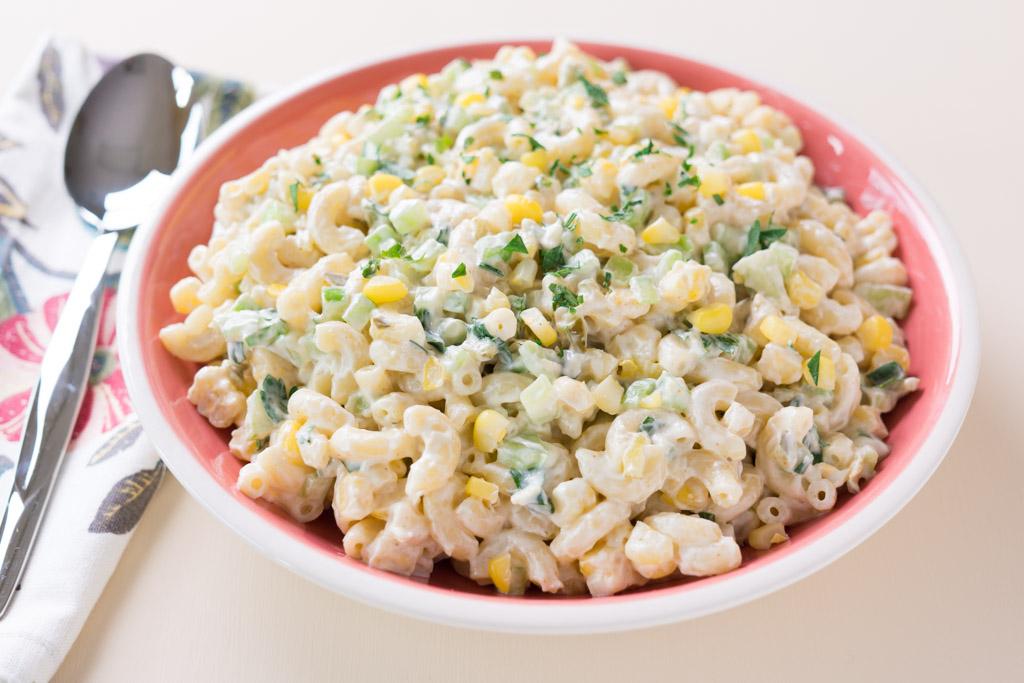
{"x":937,"y":594}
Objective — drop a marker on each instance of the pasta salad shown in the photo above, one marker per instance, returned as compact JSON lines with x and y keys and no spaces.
{"x":567,"y":324}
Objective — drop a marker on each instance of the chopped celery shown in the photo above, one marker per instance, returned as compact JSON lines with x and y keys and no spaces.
{"x":455,"y":302}
{"x":585,"y":263}
{"x":358,"y":312}
{"x":332,"y":303}
{"x":393,"y":125}
{"x":715,"y":257}
{"x":364,"y":166}
{"x":675,"y":395}
{"x":410,"y":216}
{"x":621,"y":269}
{"x":539,"y":361}
{"x":424,"y":256}
{"x":765,"y":271}
{"x":538,"y":401}
{"x":665,"y":263}
{"x":637,"y":391}
{"x":890,"y":300}
{"x":452,"y":331}
{"x":886,"y":374}
{"x":380,"y":238}
{"x":732,"y":238}
{"x":736,"y":347}
{"x":522,"y":452}
{"x":644,"y":289}
{"x":244,"y":303}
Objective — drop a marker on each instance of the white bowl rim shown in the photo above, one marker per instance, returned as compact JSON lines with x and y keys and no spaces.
{"x":542,"y":616}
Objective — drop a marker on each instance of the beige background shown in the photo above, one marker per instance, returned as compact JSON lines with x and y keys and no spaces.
{"x":937,"y":594}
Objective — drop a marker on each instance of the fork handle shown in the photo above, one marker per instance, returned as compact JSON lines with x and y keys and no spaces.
{"x":51,"y":414}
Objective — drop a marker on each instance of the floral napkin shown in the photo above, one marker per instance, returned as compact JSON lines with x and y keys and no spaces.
{"x":111,"y":471}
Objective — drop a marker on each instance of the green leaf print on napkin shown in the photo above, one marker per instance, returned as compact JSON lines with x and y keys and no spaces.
{"x":51,"y":90}
{"x":123,"y":506}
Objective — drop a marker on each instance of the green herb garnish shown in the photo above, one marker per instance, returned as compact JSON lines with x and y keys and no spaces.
{"x":647,"y":425}
{"x":534,"y":145}
{"x":646,"y":151}
{"x":496,"y":75}
{"x":710,"y":516}
{"x":886,"y":374}
{"x":570,"y":221}
{"x":489,"y":267}
{"x":514,"y":246}
{"x":718,"y":199}
{"x":274,"y":396}
{"x":813,"y":366}
{"x":551,"y":259}
{"x":598,"y":97}
{"x":293,"y":192}
{"x":459,"y":271}
{"x":371,"y":267}
{"x":564,"y":298}
{"x":619,"y":78}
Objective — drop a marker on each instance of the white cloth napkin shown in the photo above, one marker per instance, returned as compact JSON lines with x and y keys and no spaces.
{"x":111,"y":471}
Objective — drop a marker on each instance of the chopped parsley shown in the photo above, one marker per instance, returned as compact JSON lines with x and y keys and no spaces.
{"x":551,"y":259}
{"x":813,"y":366}
{"x":710,"y":516}
{"x":478,"y":330}
{"x":423,"y":119}
{"x":514,"y":246}
{"x":647,"y":150}
{"x":534,"y":145}
{"x":396,"y":250}
{"x":293,"y":192}
{"x":758,"y":239}
{"x":433,"y":338}
{"x":459,"y":271}
{"x":600,"y":131}
{"x":718,"y":199}
{"x":686,"y":179}
{"x":647,"y":425}
{"x":556,"y":167}
{"x":598,"y":97}
{"x":442,"y":235}
{"x":317,"y":160}
{"x":372,"y":266}
{"x":564,"y":298}
{"x":619,"y":78}
{"x":570,"y":221}
{"x":443,"y":143}
{"x":622,"y":248}
{"x":679,"y":135}
{"x":606,"y":279}
{"x":488,"y":267}
{"x":623,"y":214}
{"x":496,"y":75}
{"x":274,"y":396}
{"x":517,"y":302}
{"x":236,"y":352}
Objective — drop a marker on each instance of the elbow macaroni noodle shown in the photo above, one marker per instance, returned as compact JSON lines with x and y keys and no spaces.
{"x":570,"y":325}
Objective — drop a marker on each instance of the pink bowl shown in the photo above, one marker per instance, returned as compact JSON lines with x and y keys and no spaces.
{"x":941,"y":330}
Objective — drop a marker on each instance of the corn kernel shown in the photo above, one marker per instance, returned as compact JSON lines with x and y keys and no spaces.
{"x":713,"y":181}
{"x":500,"y":571}
{"x":275,"y":289}
{"x":621,"y":135}
{"x":381,"y":185}
{"x":777,"y":330}
{"x":303,"y":197}
{"x":489,"y":430}
{"x":469,"y":99}
{"x":185,"y":295}
{"x":538,"y":159}
{"x":433,"y":374}
{"x":288,"y":440}
{"x":804,"y":292}
{"x":482,"y":489}
{"x":826,"y":373}
{"x":464,"y":283}
{"x":668,"y":106}
{"x":577,"y":102}
{"x":539,"y":325}
{"x":660,"y":232}
{"x":747,"y":140}
{"x":651,"y":401}
{"x":521,"y":208}
{"x":414,"y":81}
{"x":382,"y":289}
{"x":630,"y":370}
{"x":633,"y":461}
{"x":427,"y":178}
{"x":712,"y":319}
{"x":753,"y":190}
{"x":608,"y":396}
{"x":875,"y":333}
{"x":693,"y":495}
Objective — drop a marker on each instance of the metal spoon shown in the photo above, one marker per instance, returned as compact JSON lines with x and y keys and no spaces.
{"x":132,"y":131}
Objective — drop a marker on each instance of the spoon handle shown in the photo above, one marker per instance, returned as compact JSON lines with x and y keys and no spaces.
{"x":51,"y":415}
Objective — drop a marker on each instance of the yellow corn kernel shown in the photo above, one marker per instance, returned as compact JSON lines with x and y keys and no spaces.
{"x":464,"y":283}
{"x":747,"y":140}
{"x":414,"y":81}
{"x":875,"y":333}
{"x":381,"y":185}
{"x":185,"y":295}
{"x":489,"y":429}
{"x":482,"y":489}
{"x":608,"y":395}
{"x":500,"y":571}
{"x":714,"y":181}
{"x":539,"y":325}
{"x":712,"y":319}
{"x":660,"y":232}
{"x":651,"y":401}
{"x":693,"y":495}
{"x":777,"y":330}
{"x":275,"y":289}
{"x":288,"y":431}
{"x":433,"y":374}
{"x":633,"y":461}
{"x":469,"y":99}
{"x":753,"y":190}
{"x":620,"y":135}
{"x":427,"y":178}
{"x":630,"y":370}
{"x":805,"y":292}
{"x":303,"y":197}
{"x":577,"y":102}
{"x":668,"y":106}
{"x":520,"y":208}
{"x":538,"y":159}
{"x":892,"y":353}
{"x":382,"y":289}
{"x":826,"y":373}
